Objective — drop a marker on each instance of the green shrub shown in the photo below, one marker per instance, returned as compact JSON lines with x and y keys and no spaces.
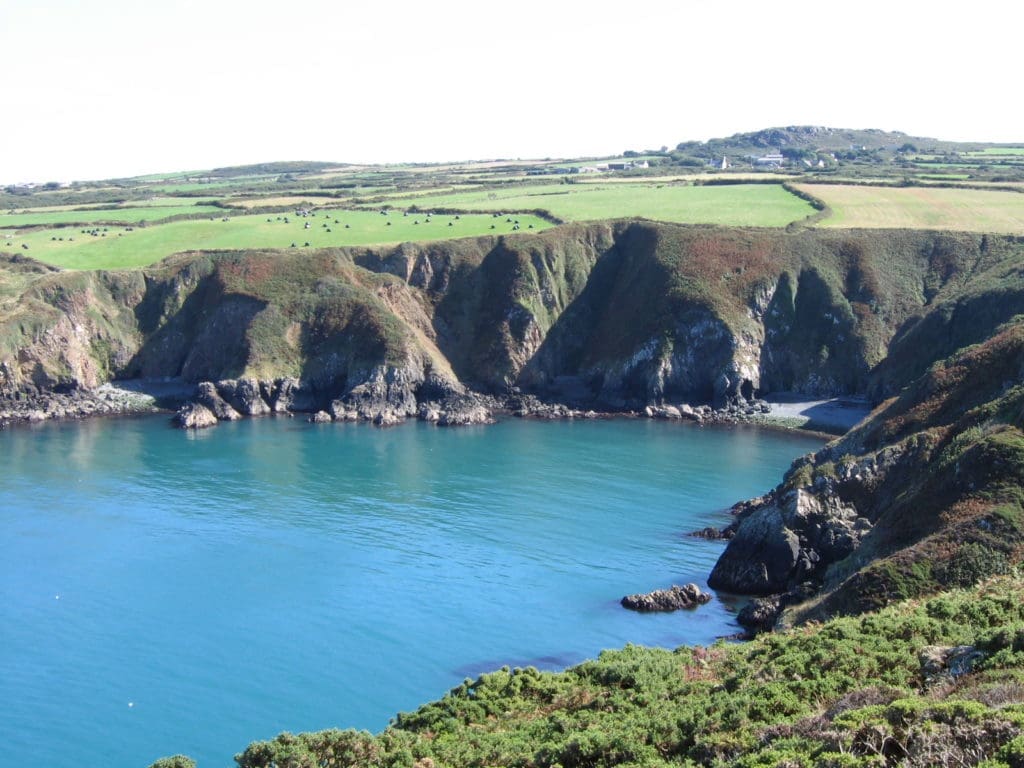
{"x":975,"y":562}
{"x":175,"y":761}
{"x":1013,"y":753}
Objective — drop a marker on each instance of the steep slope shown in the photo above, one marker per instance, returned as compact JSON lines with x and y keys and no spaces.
{"x":614,"y":315}
{"x":925,"y":494}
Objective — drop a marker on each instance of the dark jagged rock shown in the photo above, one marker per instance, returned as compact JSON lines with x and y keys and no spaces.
{"x":787,"y":539}
{"x":208,"y":396}
{"x":760,"y":558}
{"x":672,"y":599}
{"x":244,"y":396}
{"x":760,"y":614}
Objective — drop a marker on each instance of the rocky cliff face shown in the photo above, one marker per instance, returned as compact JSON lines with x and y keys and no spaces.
{"x":611,"y":315}
{"x":923,"y":495}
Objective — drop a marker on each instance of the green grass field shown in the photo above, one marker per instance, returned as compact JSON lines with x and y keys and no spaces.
{"x":764,"y":205}
{"x":967,"y":210}
{"x":131,"y":215}
{"x":998,"y":151}
{"x":120,"y":249}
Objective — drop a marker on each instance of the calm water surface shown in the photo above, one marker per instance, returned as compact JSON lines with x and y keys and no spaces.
{"x":165,"y":592}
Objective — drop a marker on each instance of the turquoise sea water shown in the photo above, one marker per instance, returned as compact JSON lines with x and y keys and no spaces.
{"x":166,"y":592}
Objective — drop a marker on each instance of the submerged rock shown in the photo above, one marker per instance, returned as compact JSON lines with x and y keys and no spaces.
{"x":713,"y":534}
{"x":671,"y":599}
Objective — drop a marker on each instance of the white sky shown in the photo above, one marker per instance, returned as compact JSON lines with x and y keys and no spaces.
{"x":100,"y":88}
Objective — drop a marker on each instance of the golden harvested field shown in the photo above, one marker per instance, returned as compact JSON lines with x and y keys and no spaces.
{"x":967,"y":210}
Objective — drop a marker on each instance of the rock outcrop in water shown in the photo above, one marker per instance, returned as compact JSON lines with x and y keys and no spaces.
{"x":195,"y":416}
{"x":664,"y":600}
{"x":783,"y":541}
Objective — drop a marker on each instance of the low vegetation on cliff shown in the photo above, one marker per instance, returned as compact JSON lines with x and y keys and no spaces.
{"x":935,"y":682}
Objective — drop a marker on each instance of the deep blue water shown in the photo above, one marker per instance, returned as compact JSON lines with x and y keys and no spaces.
{"x":164,"y":591}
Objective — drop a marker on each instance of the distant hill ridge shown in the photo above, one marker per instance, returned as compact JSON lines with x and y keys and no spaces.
{"x":823,"y":139}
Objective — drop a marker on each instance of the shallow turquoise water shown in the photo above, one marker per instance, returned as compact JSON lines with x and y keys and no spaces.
{"x":165,"y":592}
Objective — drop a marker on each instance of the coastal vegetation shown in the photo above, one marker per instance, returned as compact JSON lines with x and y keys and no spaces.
{"x":873,"y":690}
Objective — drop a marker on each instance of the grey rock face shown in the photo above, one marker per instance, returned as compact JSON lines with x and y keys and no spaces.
{"x":788,"y":540}
{"x":385,"y":396}
{"x":760,"y":557}
{"x":287,"y":394}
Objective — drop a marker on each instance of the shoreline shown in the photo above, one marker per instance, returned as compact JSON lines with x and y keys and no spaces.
{"x":791,"y":412}
{"x":824,"y":414}
{"x":130,"y":397}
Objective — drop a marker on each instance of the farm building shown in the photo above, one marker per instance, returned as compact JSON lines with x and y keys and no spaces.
{"x":771,"y":160}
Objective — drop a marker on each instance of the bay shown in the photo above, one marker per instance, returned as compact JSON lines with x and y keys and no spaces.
{"x":164,"y":591}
